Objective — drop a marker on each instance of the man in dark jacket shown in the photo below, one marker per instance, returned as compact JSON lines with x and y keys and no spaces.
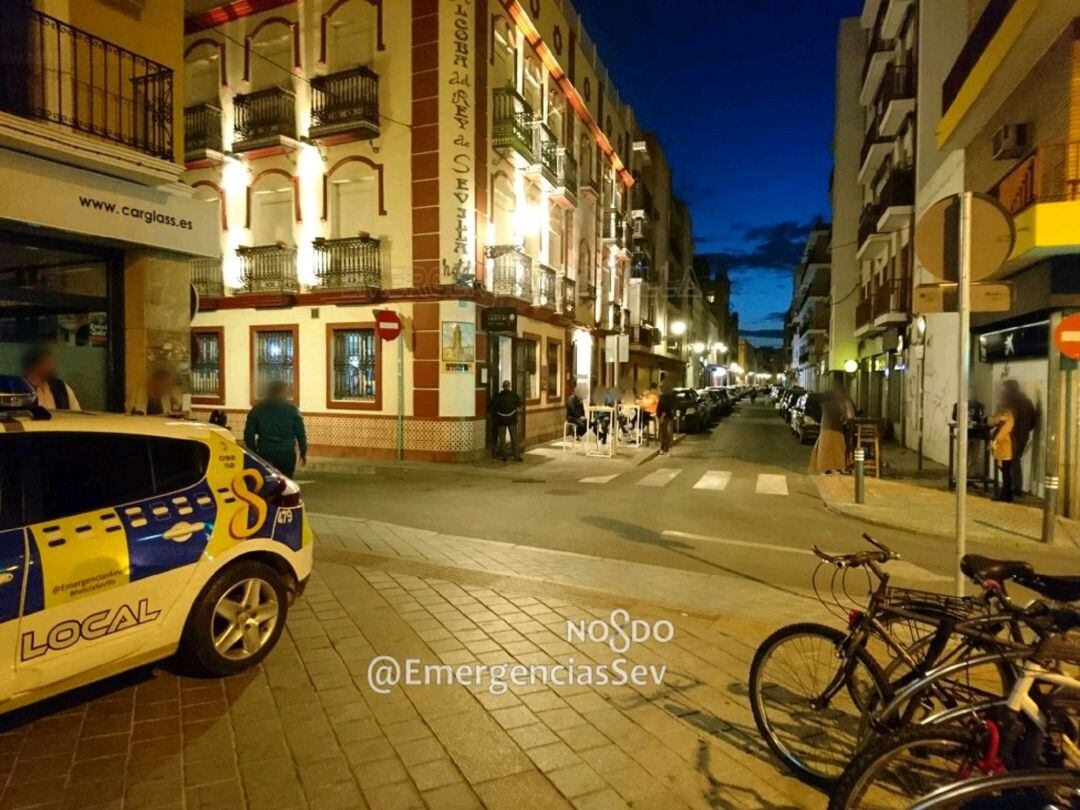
{"x":665,"y":416}
{"x":504,"y":411}
{"x":1024,"y":419}
{"x":275,"y":429}
{"x":575,"y":414}
{"x":39,"y":369}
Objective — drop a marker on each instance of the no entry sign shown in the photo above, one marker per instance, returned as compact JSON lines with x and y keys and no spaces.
{"x":1067,"y":337}
{"x":387,"y":324}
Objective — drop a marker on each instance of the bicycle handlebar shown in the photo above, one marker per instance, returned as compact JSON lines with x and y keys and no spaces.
{"x":858,"y":559}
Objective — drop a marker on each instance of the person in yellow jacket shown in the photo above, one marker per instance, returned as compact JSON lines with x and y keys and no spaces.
{"x":1001,"y":445}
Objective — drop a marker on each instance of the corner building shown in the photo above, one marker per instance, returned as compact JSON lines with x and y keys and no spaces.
{"x":437,"y":159}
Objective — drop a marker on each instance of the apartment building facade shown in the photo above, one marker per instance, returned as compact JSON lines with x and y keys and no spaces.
{"x":465,"y":165}
{"x":1011,"y":104}
{"x":810,"y":311}
{"x":884,"y":249}
{"x":96,"y":230}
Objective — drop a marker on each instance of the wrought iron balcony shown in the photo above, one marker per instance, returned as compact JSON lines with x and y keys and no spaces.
{"x":202,"y":131}
{"x":512,"y":127}
{"x":511,"y":272}
{"x":345,"y":102}
{"x":566,"y":179}
{"x":207,"y":278}
{"x":263,"y":118}
{"x":64,"y":75}
{"x":588,"y":291}
{"x":568,"y":296}
{"x":350,"y":263}
{"x":268,"y":269}
{"x":544,"y":287}
{"x":545,"y":152}
{"x":614,"y":229}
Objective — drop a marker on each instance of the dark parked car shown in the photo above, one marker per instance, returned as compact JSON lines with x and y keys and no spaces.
{"x":806,"y":421}
{"x":788,"y":400}
{"x":722,"y":398}
{"x":691,"y":415}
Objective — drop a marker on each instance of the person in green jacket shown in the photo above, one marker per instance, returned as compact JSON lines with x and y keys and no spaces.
{"x":275,"y":428}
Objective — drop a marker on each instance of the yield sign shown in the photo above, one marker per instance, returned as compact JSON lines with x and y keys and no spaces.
{"x":1067,"y":337}
{"x":387,"y":324}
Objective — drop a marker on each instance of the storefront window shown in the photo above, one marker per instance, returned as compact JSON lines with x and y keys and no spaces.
{"x":554,"y":368}
{"x":275,"y":359}
{"x":207,"y":366}
{"x":532,"y":368}
{"x":354,"y":365}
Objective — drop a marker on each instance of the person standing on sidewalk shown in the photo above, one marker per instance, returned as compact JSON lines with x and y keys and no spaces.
{"x":504,"y":409}
{"x":1002,"y":425}
{"x":830,"y":451}
{"x":665,"y":415}
{"x":275,"y":429}
{"x":1023,"y":410}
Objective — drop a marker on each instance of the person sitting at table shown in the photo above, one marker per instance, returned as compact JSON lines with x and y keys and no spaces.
{"x":575,"y":413}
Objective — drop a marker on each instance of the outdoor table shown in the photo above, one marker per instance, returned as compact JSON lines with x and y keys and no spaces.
{"x":593,"y":428}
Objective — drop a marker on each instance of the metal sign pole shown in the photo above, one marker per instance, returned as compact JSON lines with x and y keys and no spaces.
{"x":401,"y":395}
{"x":964,"y":306}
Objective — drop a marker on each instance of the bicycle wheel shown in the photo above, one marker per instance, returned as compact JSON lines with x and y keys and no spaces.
{"x":807,"y":698}
{"x":895,"y":770}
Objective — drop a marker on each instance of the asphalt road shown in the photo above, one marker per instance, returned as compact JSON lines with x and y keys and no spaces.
{"x":736,"y":501}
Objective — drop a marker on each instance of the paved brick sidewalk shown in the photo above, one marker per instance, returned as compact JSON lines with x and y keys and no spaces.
{"x":305,"y":730}
{"x":889,"y":503}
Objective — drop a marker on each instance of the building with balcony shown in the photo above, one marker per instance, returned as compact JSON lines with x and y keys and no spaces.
{"x":810,"y":311}
{"x":1009,"y":124}
{"x":96,"y":233}
{"x":438,"y":160}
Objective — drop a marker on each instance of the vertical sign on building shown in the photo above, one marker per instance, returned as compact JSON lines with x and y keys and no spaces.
{"x":457,"y":139}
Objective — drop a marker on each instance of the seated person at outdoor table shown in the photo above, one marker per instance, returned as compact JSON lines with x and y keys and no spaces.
{"x":649,"y":400}
{"x":575,"y":414}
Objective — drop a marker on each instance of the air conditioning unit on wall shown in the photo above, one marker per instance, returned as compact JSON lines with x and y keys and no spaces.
{"x":1012,"y":141}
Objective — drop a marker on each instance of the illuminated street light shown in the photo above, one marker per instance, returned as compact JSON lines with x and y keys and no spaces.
{"x":698,"y":347}
{"x":851,"y":366}
{"x":721,"y":347}
{"x":678,"y":328}
{"x":920,"y":325}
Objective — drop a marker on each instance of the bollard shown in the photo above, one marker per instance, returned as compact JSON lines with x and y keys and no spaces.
{"x":860,"y":475}
{"x":1050,"y":508}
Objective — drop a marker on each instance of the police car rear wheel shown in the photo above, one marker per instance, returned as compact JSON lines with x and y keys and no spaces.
{"x":237,"y":620}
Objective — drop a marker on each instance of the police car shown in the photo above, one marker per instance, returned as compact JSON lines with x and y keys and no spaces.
{"x":124,"y":540}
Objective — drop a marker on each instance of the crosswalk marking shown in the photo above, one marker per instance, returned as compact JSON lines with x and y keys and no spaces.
{"x":659,"y":478}
{"x":714,"y":479}
{"x":768,"y":484}
{"x":599,"y":479}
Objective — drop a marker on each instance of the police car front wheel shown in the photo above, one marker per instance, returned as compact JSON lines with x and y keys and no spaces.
{"x":237,"y":620}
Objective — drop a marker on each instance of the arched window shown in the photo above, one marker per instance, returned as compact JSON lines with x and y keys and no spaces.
{"x":585,"y":158}
{"x":504,"y":52}
{"x":503,"y":210}
{"x":273,"y":208}
{"x":203,"y":73}
{"x":353,"y":198}
{"x":534,"y":85}
{"x":212,"y":194}
{"x":271,"y":59}
{"x":352,"y":33}
{"x":556,"y":112}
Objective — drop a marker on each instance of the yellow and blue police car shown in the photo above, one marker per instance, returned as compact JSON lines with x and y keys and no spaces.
{"x":125,"y":539}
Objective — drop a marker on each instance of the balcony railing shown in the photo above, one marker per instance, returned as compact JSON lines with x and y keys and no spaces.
{"x":868,"y":222}
{"x":877,"y":45}
{"x":511,"y":272}
{"x":268,"y":268}
{"x":898,"y":83}
{"x":614,"y":229}
{"x":641,"y":266}
{"x":892,"y":297}
{"x":545,"y":289}
{"x":202,"y":129}
{"x":1051,"y":174}
{"x":545,"y":151}
{"x":207,"y":278}
{"x":566,"y":179}
{"x":899,"y":189}
{"x":67,"y":76}
{"x":989,"y":24}
{"x":873,"y":136}
{"x":350,"y":263}
{"x":347,"y":101}
{"x":264,"y":117}
{"x":588,"y":291}
{"x":512,"y":122}
{"x":568,"y":294}
{"x":864,"y":313}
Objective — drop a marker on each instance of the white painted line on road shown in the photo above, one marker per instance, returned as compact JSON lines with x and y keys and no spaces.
{"x":303,"y":480}
{"x":768,"y":484}
{"x":599,"y":479}
{"x":714,"y":479}
{"x":744,"y":543}
{"x":659,"y":478}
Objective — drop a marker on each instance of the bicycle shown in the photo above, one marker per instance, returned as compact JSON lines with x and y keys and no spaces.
{"x":823,"y":697}
{"x":1024,"y":790}
{"x":1030,"y":729}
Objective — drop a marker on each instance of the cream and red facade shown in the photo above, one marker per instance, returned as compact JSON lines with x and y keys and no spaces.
{"x":437,"y":158}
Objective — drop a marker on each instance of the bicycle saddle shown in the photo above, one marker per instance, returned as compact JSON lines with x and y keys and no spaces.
{"x":982,"y":568}
{"x":1059,"y":589}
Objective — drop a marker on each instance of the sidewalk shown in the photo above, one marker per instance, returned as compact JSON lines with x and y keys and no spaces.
{"x":931,"y":511}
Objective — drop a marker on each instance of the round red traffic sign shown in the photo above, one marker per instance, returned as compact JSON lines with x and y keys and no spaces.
{"x":387,"y":324}
{"x":1067,"y":337}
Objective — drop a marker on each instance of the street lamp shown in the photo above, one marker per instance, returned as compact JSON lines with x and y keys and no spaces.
{"x":851,"y":366}
{"x":721,"y":347}
{"x":698,"y":347}
{"x":678,"y":328}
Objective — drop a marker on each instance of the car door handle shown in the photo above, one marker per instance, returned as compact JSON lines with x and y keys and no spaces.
{"x":182,"y":532}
